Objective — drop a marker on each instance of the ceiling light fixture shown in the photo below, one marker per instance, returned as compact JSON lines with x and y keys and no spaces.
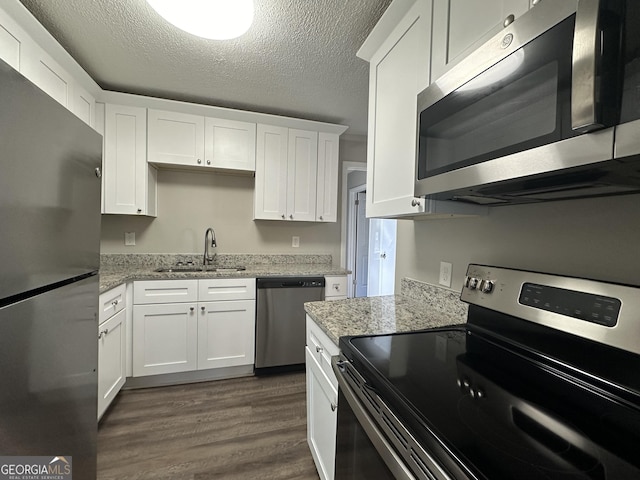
{"x":214,"y":19}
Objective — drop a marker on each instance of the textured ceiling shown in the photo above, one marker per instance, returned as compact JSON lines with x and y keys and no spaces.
{"x":298,"y":59}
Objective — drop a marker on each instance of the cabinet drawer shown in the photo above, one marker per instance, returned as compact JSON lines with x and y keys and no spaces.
{"x":322,"y":349}
{"x":227,"y":289}
{"x":165,"y":291}
{"x":336,"y":286}
{"x":111,"y":302}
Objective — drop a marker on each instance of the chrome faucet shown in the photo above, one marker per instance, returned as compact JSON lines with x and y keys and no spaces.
{"x":207,"y":259}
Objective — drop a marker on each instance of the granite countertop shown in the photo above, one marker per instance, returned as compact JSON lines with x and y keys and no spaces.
{"x":419,"y":306}
{"x":113,"y":275}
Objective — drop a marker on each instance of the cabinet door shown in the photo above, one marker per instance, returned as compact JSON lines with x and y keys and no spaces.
{"x":399,"y":70}
{"x":270,"y":200}
{"x":111,"y":359}
{"x":176,"y":138}
{"x":165,"y":338}
{"x":230,"y":144}
{"x":47,"y":74}
{"x":226,"y":333}
{"x":84,"y":105}
{"x":322,"y":417}
{"x":126,"y":174}
{"x":302,"y":174}
{"x":12,"y":39}
{"x":327,"y":203}
{"x":460,"y":26}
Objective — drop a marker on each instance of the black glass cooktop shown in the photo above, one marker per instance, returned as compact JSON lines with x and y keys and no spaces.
{"x":496,"y":412}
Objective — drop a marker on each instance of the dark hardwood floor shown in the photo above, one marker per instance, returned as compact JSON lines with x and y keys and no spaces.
{"x":244,"y":428}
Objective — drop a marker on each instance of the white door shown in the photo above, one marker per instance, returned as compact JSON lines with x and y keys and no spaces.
{"x":461,"y":26}
{"x":164,"y":338}
{"x":111,"y":359}
{"x":175,"y":138}
{"x":125,"y":160}
{"x":226,"y":333}
{"x":382,"y":257}
{"x":362,"y":246}
{"x":270,"y":194}
{"x":230,"y":144}
{"x":302,"y":175}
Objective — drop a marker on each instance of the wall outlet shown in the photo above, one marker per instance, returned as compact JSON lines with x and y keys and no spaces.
{"x":295,"y":242}
{"x":129,"y":238}
{"x":445,"y":274}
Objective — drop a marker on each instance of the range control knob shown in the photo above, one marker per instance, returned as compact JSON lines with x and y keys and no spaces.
{"x":473,"y":283}
{"x":486,"y":286}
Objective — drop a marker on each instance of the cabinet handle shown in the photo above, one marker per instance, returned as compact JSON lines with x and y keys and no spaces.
{"x":139,"y":210}
{"x":319,"y":349}
{"x":114,"y":303}
{"x":202,"y":308}
{"x":509,"y":20}
{"x":208,"y":162}
{"x":291,"y":217}
{"x":103,"y":333}
{"x":199,"y":161}
{"x":333,"y":407}
{"x":192,"y":308}
{"x":283,"y":216}
{"x":415,"y":202}
{"x":320,"y":217}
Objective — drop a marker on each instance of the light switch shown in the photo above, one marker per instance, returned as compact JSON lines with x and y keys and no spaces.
{"x":129,"y":238}
{"x":295,"y":242}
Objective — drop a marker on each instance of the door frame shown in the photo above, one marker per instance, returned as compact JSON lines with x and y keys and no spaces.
{"x":351,"y":228}
{"x":347,"y":167}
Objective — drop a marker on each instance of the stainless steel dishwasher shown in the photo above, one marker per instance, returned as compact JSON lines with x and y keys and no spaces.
{"x":280,"y":318}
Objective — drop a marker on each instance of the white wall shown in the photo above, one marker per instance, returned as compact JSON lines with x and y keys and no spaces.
{"x":594,"y":238}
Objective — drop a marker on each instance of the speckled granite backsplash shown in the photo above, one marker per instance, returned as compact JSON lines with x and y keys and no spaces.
{"x":223,"y":259}
{"x":435,"y":298}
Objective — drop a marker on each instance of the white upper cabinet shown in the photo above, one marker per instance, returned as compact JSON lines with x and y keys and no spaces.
{"x":84,"y":105}
{"x":398,"y":71}
{"x":270,"y":194}
{"x":47,"y":74}
{"x":12,"y":39}
{"x":230,"y":144}
{"x":175,"y":138}
{"x":302,"y":174}
{"x":193,"y":140}
{"x":328,"y":166}
{"x":129,"y":182}
{"x":460,"y":26}
{"x":295,"y":175}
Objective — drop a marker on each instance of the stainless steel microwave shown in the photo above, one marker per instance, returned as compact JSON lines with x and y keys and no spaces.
{"x":548,"y":109}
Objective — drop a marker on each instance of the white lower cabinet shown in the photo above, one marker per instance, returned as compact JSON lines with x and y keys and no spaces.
{"x":112,"y":346}
{"x":322,"y":400}
{"x":165,"y":338}
{"x":175,"y":331}
{"x":226,"y":333}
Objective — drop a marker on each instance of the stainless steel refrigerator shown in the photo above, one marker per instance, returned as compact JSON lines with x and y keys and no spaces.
{"x":49,"y":258}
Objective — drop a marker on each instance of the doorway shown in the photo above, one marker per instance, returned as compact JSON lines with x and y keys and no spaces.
{"x":370,"y":243}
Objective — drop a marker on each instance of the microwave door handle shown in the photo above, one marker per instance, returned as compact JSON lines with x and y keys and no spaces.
{"x":586,"y":52}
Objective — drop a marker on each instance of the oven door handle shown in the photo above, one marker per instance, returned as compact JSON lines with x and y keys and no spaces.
{"x":385,"y":450}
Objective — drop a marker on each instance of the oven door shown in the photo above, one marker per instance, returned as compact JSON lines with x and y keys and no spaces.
{"x":523,"y":92}
{"x":371,"y":442}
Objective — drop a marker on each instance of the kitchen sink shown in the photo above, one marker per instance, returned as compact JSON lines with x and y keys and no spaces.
{"x":188,"y":269}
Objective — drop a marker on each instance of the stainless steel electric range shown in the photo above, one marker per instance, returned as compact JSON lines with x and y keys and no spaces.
{"x":542,"y":382}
